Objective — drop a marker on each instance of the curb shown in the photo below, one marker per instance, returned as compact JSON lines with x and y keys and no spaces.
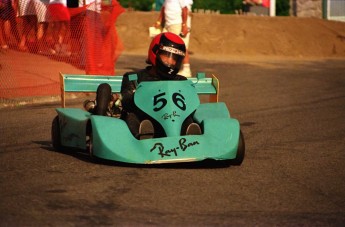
{"x":18,"y":102}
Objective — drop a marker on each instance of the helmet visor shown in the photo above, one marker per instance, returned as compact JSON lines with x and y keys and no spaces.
{"x":171,"y":57}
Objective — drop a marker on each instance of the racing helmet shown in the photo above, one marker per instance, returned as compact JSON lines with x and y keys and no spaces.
{"x":166,"y":53}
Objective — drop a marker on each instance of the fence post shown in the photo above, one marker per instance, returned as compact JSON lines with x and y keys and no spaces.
{"x":272,"y":8}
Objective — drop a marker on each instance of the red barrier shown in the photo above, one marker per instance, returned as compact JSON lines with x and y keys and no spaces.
{"x":87,"y":43}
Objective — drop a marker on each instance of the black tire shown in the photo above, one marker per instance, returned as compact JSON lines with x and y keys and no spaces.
{"x":240,"y":151}
{"x":89,"y":139}
{"x":56,"y":134}
{"x":103,"y":98}
{"x":90,"y":145}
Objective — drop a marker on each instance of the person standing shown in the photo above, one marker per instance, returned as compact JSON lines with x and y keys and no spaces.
{"x":94,"y":40}
{"x":43,"y":18}
{"x":8,"y":23}
{"x":35,"y":18}
{"x":175,"y":17}
{"x":59,"y":19}
{"x":27,"y":12}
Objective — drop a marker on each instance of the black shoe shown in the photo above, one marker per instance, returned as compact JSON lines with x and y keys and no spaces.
{"x":146,"y":130}
{"x":89,"y":105}
{"x":114,"y":110}
{"x":193,"y":129}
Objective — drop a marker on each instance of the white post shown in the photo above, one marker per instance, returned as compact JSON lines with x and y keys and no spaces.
{"x":272,"y":8}
{"x":328,"y":9}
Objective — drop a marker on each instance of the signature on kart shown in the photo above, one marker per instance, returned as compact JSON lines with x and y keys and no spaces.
{"x":183,"y":145}
{"x":167,"y":116}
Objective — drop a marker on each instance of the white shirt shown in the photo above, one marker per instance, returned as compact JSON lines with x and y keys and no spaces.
{"x":173,"y":11}
{"x":63,"y":2}
{"x":189,"y":2}
{"x":95,"y":4}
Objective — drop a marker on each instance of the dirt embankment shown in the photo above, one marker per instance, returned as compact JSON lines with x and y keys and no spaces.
{"x":230,"y":35}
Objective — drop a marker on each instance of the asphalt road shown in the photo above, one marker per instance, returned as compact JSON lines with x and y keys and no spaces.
{"x":292,"y":116}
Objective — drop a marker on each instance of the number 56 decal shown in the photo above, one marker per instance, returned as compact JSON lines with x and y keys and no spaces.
{"x":159,"y":101}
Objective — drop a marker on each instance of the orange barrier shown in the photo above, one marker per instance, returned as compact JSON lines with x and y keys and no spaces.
{"x":88,"y":43}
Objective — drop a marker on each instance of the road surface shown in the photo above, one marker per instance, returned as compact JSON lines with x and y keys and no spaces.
{"x":292,"y":116}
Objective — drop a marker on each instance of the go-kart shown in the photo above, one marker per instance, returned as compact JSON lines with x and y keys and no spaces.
{"x":169,"y":103}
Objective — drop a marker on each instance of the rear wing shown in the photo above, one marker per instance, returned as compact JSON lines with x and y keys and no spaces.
{"x":89,"y":83}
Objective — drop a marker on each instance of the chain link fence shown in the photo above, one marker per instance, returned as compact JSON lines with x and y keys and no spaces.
{"x":87,"y":43}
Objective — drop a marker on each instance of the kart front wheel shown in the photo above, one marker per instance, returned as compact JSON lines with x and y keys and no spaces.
{"x":56,"y":134}
{"x":90,"y":145}
{"x":240,"y":151}
{"x":89,"y":139}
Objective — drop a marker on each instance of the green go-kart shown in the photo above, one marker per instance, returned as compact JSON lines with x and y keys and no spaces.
{"x":169,"y":103}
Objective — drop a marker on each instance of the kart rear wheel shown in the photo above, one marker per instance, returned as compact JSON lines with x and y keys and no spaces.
{"x":103,"y":98}
{"x":240,"y":151}
{"x":56,"y":134}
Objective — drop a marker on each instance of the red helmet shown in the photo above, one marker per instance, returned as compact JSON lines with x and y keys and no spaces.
{"x":167,"y":52}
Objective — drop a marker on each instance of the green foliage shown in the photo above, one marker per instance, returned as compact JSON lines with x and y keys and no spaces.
{"x":140,"y":5}
{"x":224,"y":6}
{"x":282,"y":7}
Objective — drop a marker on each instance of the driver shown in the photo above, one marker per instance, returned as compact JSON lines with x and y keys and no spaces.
{"x":165,"y":57}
